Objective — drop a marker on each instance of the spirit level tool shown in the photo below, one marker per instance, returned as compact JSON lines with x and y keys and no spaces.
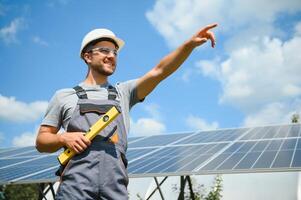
{"x":93,"y":131}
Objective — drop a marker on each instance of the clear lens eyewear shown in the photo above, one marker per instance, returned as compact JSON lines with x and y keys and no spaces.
{"x":105,"y":50}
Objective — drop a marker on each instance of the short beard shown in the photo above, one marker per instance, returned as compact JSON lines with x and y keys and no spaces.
{"x":101,"y":71}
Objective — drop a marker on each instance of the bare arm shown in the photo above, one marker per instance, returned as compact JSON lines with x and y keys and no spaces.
{"x":173,"y":61}
{"x":49,"y":141}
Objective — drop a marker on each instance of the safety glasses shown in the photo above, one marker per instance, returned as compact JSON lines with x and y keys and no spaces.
{"x":105,"y":50}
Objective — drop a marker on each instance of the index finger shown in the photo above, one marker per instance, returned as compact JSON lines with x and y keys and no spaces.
{"x":210,"y":26}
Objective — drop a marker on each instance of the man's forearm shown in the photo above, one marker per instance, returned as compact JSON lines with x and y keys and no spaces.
{"x":163,"y":69}
{"x":174,"y":60}
{"x":49,"y":142}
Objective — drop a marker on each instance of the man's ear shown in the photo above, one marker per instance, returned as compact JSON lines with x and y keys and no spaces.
{"x":87,"y":57}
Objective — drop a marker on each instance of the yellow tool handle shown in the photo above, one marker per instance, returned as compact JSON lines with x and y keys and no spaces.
{"x":91,"y":134}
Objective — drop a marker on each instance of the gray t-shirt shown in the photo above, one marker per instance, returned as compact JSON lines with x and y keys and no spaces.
{"x":64,"y":101}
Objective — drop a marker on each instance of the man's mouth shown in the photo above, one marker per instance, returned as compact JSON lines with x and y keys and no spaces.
{"x":111,"y":64}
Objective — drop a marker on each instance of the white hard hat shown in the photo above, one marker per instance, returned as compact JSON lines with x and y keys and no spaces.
{"x":98,"y":34}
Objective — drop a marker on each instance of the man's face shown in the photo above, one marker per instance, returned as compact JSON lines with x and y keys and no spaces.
{"x":102,"y":58}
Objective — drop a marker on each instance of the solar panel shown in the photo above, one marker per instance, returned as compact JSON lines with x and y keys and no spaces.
{"x":18,"y":170}
{"x":264,"y":149}
{"x":158,"y":140}
{"x":241,"y":150}
{"x":16,"y":151}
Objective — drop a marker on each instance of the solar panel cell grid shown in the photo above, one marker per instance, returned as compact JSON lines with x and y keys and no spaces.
{"x":160,"y":156}
{"x":274,"y":145}
{"x":231,"y":161}
{"x":250,"y":134}
{"x":234,"y":155}
{"x":247,"y":161}
{"x":246,"y":147}
{"x":192,"y":162}
{"x":158,"y":140}
{"x":260,"y":134}
{"x":273,"y":131}
{"x":289,"y":144}
{"x":8,"y":162}
{"x":6,"y":149}
{"x":20,"y":171}
{"x":134,"y":153}
{"x":25,"y":168}
{"x":283,"y":159}
{"x":234,"y":147}
{"x":299,"y":144}
{"x":297,"y":159}
{"x":294,"y":132}
{"x":18,"y":151}
{"x":146,"y":161}
{"x":283,"y":132}
{"x":194,"y":139}
{"x":216,"y":162}
{"x":265,"y":159}
{"x":258,"y":149}
{"x":132,"y":139}
{"x":184,"y":156}
{"x":260,"y":146}
{"x":44,"y":176}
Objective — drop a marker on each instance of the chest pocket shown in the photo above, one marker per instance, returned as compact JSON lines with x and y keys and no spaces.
{"x":88,"y":111}
{"x":92,"y":112}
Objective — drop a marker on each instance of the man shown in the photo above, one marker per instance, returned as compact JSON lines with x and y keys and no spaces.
{"x":98,"y":171}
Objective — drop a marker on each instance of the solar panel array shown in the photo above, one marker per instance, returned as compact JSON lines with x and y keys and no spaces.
{"x":241,"y":150}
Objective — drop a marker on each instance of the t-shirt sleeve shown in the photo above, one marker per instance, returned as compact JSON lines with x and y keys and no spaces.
{"x":129,"y":91}
{"x":53,"y":115}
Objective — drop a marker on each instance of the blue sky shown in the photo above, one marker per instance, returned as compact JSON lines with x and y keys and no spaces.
{"x":251,"y":78}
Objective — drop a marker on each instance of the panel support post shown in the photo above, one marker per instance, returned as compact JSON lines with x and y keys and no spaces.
{"x":44,"y":188}
{"x":190,"y":188}
{"x":158,"y":188}
{"x":182,"y":188}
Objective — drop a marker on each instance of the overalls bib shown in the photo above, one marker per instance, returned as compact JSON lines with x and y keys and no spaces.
{"x":99,"y":172}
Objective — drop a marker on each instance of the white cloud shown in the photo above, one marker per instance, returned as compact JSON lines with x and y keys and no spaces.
{"x":264,"y":72}
{"x":291,"y":90}
{"x":39,"y":41}
{"x":153,"y":110}
{"x":25,"y":139}
{"x":255,"y":57}
{"x":152,"y":125}
{"x":208,"y":68}
{"x":9,"y":33}
{"x":259,"y":72}
{"x":186,"y":75}
{"x":176,"y":20}
{"x":17,"y":111}
{"x":197,"y":123}
{"x":146,"y":127}
{"x":274,"y":113}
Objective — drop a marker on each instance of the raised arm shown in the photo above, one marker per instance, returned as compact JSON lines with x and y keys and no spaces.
{"x":173,"y":61}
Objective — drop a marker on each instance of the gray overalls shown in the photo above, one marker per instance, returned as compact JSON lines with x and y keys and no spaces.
{"x":99,"y":172}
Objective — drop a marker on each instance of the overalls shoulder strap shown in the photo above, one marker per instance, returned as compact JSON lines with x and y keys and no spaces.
{"x":80,"y":92}
{"x":112,"y":92}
